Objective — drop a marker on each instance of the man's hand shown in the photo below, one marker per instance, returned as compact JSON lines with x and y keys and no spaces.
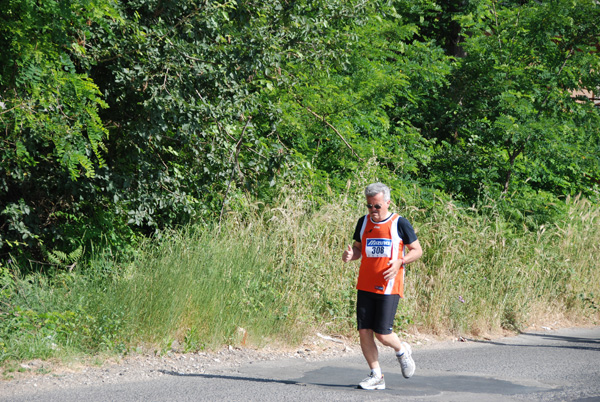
{"x":394,"y":267}
{"x":348,"y":254}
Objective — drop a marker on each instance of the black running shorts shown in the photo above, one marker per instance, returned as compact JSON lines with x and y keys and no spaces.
{"x":375,"y":311}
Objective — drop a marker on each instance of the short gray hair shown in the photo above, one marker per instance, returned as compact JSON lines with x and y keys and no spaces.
{"x":373,"y":189}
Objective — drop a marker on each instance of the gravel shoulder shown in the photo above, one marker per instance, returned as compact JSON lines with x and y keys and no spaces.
{"x":48,"y":375}
{"x":95,"y":371}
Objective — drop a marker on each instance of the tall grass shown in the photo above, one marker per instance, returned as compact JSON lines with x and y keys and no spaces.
{"x":278,"y":275}
{"x":479,"y":274}
{"x":274,"y":274}
{"x":263,"y":278}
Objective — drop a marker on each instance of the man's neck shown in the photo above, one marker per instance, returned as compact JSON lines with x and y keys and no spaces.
{"x":388,"y":215}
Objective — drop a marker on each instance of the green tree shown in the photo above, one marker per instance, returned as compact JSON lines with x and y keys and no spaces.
{"x":52,"y":134}
{"x":126,"y":118}
{"x":207,"y":101}
{"x":511,"y":123}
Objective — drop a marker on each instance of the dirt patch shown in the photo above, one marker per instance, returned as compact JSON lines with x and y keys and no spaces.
{"x":98,"y":370}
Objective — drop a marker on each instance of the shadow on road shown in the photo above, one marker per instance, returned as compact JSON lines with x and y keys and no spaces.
{"x":227,"y":377}
{"x":254,"y":379}
{"x":427,"y":384}
{"x":577,"y":343}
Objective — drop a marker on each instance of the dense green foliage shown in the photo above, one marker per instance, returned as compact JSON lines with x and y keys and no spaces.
{"x":123,"y":118}
{"x":512,"y":107}
{"x":256,"y":124}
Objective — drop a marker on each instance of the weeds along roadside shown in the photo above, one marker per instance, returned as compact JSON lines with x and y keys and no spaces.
{"x":266,"y":278}
{"x":479,"y":274}
{"x":274,"y":276}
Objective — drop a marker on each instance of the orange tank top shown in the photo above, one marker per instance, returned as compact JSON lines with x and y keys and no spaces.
{"x":380,"y":244}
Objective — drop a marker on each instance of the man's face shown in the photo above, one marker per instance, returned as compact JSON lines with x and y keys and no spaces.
{"x":377,"y":201}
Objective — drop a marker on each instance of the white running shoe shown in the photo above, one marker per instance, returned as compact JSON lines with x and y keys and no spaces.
{"x":406,"y":361}
{"x":372,"y":382}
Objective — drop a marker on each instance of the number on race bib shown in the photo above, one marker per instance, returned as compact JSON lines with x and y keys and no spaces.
{"x":377,"y":248}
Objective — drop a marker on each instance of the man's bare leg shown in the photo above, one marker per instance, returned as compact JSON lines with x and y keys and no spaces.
{"x":369,"y":348}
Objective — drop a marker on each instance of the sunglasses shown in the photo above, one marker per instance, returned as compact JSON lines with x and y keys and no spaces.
{"x":376,"y":206}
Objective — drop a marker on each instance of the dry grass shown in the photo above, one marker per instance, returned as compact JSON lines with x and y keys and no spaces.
{"x":478,"y":275}
{"x":274,"y":275}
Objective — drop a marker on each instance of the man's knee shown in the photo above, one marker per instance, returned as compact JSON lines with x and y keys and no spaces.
{"x":386,"y":339}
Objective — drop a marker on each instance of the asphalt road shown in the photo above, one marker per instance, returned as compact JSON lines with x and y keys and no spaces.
{"x":561,"y":365}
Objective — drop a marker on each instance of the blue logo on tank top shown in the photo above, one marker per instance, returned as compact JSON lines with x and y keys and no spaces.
{"x":379,"y":242}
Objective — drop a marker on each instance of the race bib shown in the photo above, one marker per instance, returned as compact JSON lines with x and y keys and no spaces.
{"x":377,"y":248}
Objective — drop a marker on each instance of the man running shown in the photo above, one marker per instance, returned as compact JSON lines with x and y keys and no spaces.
{"x":380,"y":238}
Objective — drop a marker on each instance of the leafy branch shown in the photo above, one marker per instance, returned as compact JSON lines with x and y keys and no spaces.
{"x":235,"y":157}
{"x":331,"y":126}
